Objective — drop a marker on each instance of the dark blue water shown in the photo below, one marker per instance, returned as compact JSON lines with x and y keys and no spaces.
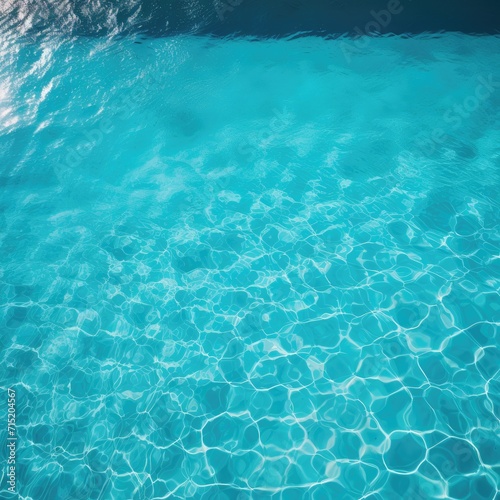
{"x":263,"y":18}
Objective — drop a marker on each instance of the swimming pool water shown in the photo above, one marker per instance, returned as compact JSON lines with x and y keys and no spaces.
{"x":237,"y":269}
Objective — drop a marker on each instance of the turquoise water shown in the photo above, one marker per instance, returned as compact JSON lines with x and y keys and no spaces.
{"x":236,"y":269}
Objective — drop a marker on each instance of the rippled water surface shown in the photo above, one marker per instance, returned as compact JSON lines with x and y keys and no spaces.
{"x":235,"y":269}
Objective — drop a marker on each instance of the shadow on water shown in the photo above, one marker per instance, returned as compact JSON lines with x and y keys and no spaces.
{"x":260,"y":18}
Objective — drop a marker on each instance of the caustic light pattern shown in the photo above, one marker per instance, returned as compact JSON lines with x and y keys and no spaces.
{"x":236,"y":269}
